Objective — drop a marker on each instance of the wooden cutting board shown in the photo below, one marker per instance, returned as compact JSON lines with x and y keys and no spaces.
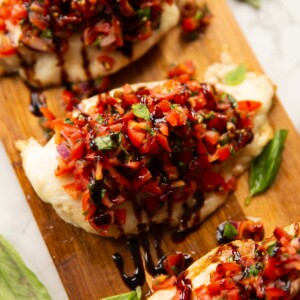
{"x":83,"y":260}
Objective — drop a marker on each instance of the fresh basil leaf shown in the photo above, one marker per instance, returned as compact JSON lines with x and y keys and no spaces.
{"x":16,"y":280}
{"x":236,"y":76}
{"x":141,"y":111}
{"x":254,"y":3}
{"x":229,"y":232}
{"x":133,"y":295}
{"x":144,"y":13}
{"x":265,"y":167}
{"x":108,"y":142}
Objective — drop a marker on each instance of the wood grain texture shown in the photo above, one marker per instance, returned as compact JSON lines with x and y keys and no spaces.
{"x":84,"y":260}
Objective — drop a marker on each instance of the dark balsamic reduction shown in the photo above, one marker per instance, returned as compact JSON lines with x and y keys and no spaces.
{"x":37,"y":100}
{"x":138,"y":279}
{"x":152,"y":269}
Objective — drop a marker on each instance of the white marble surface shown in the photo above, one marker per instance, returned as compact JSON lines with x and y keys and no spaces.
{"x":274,"y":34}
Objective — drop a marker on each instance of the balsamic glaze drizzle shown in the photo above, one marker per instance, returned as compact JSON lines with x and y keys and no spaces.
{"x":37,"y":100}
{"x":151,"y":268}
{"x":138,"y":279}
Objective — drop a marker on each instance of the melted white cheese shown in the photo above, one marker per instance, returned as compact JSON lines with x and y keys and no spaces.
{"x":49,"y":188}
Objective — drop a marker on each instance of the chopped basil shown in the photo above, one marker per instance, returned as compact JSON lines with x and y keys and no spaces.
{"x":236,"y":76}
{"x":68,"y":121}
{"x":253,"y":270}
{"x":107,"y":142}
{"x":47,"y":33}
{"x":144,"y":13}
{"x":229,"y":232}
{"x":133,"y":295}
{"x":99,"y":119}
{"x":272,"y":248}
{"x":254,"y":3}
{"x":141,"y":111}
{"x":17,"y":281}
{"x":199,"y":15}
{"x":265,"y":167}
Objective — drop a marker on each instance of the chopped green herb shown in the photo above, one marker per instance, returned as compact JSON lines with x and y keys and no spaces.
{"x":47,"y":33}
{"x":68,"y":121}
{"x":108,"y":142}
{"x":253,"y":270}
{"x":99,"y":119}
{"x":144,"y":13}
{"x":272,"y":249}
{"x":141,"y":111}
{"x":17,"y":281}
{"x":133,"y":295}
{"x":236,"y":76}
{"x":229,"y":232}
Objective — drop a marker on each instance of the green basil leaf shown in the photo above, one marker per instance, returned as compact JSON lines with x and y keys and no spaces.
{"x":108,"y":142}
{"x":133,"y":295}
{"x":144,"y":13}
{"x":229,"y":232}
{"x":254,"y":3}
{"x":16,"y":280}
{"x":265,"y":167}
{"x":141,"y":111}
{"x":236,"y":76}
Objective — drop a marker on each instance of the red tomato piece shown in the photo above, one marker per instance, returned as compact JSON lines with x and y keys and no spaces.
{"x":163,"y":141}
{"x":248,"y":105}
{"x":135,"y":137}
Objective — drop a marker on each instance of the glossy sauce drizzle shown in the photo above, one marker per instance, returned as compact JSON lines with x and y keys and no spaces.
{"x":138,"y":279}
{"x":37,"y":100}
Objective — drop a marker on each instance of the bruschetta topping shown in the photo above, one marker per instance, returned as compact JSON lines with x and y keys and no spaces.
{"x":45,"y":25}
{"x":150,"y":146}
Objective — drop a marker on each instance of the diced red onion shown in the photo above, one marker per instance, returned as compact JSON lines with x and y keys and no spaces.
{"x":63,"y":151}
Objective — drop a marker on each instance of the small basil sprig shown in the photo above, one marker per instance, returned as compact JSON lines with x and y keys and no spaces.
{"x":140,"y":110}
{"x":16,"y":280}
{"x":236,"y":76}
{"x":107,"y":142}
{"x":133,"y":295}
{"x":254,"y":3}
{"x":265,"y":167}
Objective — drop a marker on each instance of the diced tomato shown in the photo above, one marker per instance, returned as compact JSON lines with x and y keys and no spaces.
{"x":166,"y":91}
{"x":141,"y":178}
{"x":174,"y":263}
{"x":223,"y":284}
{"x":136,"y":137}
{"x":189,"y":24}
{"x":168,"y":282}
{"x":276,"y":293}
{"x":79,"y":150}
{"x":163,"y":141}
{"x":120,"y":216}
{"x":249,"y":105}
{"x":224,"y":152}
{"x":212,"y":136}
{"x":70,"y":188}
{"x":6,"y":47}
{"x":172,"y":118}
{"x":270,"y":269}
{"x":187,"y":67}
{"x":129,"y":97}
{"x":118,"y":32}
{"x":18,"y":12}
{"x":282,"y":236}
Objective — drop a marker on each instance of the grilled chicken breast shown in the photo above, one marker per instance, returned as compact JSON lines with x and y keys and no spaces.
{"x":40,"y":162}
